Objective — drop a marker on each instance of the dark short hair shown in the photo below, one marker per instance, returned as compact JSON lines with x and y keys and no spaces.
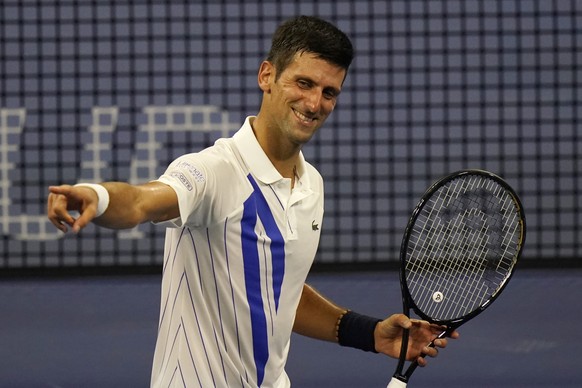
{"x":312,"y":35}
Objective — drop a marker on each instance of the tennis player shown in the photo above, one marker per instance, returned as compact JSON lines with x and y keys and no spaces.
{"x":243,"y":222}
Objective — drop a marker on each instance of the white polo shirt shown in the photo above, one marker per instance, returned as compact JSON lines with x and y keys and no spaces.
{"x":235,"y":264}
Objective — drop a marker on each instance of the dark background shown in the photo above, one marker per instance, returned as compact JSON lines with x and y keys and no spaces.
{"x":108,"y":90}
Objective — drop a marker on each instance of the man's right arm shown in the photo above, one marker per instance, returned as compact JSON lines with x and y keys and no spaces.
{"x":129,"y":205}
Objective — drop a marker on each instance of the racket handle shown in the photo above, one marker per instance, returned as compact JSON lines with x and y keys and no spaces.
{"x":412,"y":367}
{"x":395,"y":383}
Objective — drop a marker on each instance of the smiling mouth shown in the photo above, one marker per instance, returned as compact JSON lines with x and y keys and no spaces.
{"x":303,"y":118}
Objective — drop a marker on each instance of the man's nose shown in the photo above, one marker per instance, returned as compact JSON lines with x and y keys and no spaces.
{"x":314,"y":100}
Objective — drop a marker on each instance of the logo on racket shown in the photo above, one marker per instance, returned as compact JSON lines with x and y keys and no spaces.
{"x":437,"y":297}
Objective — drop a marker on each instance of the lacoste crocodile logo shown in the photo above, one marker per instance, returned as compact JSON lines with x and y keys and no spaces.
{"x":314,"y":226}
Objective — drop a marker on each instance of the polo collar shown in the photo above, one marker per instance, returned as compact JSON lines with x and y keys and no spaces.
{"x":258,"y":162}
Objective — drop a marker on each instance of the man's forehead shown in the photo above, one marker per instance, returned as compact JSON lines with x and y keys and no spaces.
{"x":311,"y":63}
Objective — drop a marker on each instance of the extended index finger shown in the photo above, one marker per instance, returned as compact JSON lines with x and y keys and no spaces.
{"x":62,"y":189}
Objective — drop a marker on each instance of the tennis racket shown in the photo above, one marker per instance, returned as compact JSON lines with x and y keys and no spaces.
{"x":458,"y":252}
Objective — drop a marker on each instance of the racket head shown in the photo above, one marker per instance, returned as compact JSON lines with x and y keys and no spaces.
{"x":460,"y":247}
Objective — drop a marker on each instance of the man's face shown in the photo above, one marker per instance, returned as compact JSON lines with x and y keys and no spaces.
{"x":303,"y":96}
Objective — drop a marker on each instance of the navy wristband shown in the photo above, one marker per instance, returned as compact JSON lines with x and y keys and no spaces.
{"x":357,"y":331}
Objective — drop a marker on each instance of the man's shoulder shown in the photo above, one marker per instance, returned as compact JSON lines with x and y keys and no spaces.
{"x":220,"y":160}
{"x":224,"y":153}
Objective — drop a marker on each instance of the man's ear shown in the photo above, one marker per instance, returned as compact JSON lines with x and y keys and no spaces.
{"x":266,"y":76}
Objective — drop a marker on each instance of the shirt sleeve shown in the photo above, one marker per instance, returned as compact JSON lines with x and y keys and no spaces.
{"x":189,"y":176}
{"x":208,"y":185}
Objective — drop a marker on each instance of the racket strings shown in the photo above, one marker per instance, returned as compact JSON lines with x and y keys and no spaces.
{"x":462,"y":247}
{"x":441,"y":243}
{"x":464,"y":289}
{"x":475,"y":270}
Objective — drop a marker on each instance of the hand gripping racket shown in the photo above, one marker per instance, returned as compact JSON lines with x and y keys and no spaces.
{"x":459,"y":250}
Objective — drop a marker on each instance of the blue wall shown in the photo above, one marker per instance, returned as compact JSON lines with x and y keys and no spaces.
{"x":108,"y":90}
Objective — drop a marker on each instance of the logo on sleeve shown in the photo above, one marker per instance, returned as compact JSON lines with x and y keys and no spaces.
{"x":314,"y":226}
{"x":196,"y":174}
{"x":183,"y":179}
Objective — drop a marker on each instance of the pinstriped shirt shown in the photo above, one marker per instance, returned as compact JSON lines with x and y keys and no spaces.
{"x":235,"y":263}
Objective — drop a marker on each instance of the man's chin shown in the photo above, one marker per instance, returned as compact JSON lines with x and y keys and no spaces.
{"x":304,"y":136}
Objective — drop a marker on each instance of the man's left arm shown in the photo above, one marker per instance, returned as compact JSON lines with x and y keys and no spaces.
{"x":317,"y":317}
{"x":320,"y":318}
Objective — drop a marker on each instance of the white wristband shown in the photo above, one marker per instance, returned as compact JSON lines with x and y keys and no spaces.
{"x":102,"y":194}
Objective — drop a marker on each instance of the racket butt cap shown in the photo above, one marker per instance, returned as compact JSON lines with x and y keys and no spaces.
{"x":396,"y":383}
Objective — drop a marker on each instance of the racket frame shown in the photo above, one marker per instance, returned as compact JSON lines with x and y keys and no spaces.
{"x":408,"y":303}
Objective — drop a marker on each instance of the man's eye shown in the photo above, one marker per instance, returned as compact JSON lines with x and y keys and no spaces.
{"x":303,"y":84}
{"x":330,"y":95}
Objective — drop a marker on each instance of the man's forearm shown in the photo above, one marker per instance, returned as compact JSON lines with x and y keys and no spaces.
{"x":317,"y":317}
{"x":131,"y":205}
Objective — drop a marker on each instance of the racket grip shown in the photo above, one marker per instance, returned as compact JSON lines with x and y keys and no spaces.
{"x":395,"y":383}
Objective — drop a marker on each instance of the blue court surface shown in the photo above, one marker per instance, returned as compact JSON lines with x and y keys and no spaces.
{"x":100,"y":332}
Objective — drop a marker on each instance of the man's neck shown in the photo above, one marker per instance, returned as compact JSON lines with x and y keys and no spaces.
{"x":284,"y":156}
